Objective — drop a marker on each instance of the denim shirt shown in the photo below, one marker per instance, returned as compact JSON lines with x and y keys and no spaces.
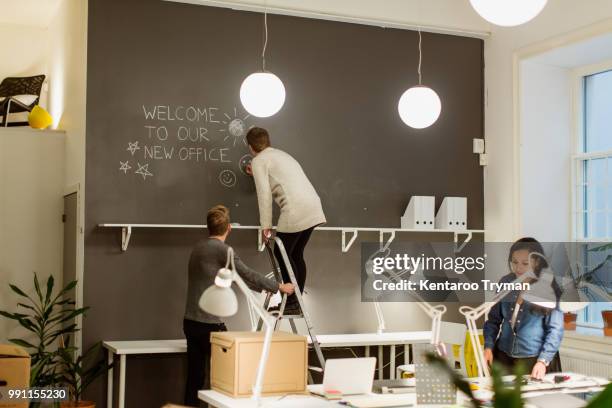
{"x":535,"y":334}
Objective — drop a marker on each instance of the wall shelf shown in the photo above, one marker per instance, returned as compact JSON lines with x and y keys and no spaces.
{"x":385,"y":235}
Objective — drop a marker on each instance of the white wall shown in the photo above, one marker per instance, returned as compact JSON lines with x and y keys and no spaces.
{"x":67,"y":63}
{"x":545,"y":151}
{"x":61,"y":55}
{"x":24,"y":53}
{"x":31,"y":206}
{"x":502,"y":183}
{"x":23,"y":50}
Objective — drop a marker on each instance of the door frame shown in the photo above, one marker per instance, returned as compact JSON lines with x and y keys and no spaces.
{"x":69,"y":190}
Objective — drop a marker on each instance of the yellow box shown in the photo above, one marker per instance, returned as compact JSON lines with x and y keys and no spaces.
{"x":14,"y":371}
{"x":235,"y":358}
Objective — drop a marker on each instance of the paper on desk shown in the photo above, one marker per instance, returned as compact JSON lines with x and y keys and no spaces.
{"x":380,"y":401}
{"x":293,"y":401}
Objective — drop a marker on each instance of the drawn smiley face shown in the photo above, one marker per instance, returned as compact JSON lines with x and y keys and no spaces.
{"x":227,"y":178}
{"x":244,"y":162}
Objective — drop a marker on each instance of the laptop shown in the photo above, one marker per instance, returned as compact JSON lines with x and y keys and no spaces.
{"x":348,"y":376}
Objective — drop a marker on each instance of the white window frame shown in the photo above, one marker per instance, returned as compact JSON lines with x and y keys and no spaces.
{"x":578,"y":157}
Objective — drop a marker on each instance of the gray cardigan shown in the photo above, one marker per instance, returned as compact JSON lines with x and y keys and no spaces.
{"x":208,"y":256}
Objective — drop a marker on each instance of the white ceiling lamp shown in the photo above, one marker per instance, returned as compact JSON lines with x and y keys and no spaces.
{"x":508,"y":13}
{"x":420,"y":106}
{"x":262,"y":93}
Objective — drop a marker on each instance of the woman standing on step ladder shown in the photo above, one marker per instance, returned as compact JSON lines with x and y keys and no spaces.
{"x":280,"y":177}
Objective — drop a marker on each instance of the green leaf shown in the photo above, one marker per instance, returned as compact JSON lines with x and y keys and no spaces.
{"x":26,"y":323}
{"x":37,"y":287}
{"x":603,"y":399}
{"x":8,"y":315}
{"x":51,"y":337}
{"x":18,"y":291}
{"x":74,"y":314}
{"x":26,"y":306}
{"x":49,"y":289}
{"x":66,"y":288}
{"x":22,"y":343}
{"x":66,"y":302}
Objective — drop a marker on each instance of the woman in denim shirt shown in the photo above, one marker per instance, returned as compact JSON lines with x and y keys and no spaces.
{"x":517,"y":330}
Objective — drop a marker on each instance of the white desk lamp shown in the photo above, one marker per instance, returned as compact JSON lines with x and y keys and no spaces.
{"x":540,"y":293}
{"x":435,"y":313}
{"x":220,"y":300}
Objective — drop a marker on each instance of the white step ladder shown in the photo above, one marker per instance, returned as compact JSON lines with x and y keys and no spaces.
{"x":291,"y":318}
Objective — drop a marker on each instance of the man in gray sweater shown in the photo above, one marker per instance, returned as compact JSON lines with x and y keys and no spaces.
{"x":208,"y":256}
{"x":279,"y":177}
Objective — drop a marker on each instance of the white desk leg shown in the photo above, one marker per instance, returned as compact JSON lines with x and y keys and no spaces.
{"x":109,"y":386}
{"x":406,"y":354}
{"x":122,"y":382}
{"x":367,"y":351}
{"x":392,"y":362}
{"x":380,"y":362}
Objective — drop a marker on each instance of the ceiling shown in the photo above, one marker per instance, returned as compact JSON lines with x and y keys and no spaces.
{"x":33,"y":13}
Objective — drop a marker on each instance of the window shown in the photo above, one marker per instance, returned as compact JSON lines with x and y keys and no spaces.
{"x":593,"y":171}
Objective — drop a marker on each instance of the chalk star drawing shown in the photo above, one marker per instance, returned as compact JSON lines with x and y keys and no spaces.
{"x":132,"y":147}
{"x":227,"y":178}
{"x":236,"y":127}
{"x":143,"y":170}
{"x":244,"y":162}
{"x":125,"y":166}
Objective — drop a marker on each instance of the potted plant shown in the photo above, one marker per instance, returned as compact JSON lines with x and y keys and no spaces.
{"x":569,"y":320}
{"x":78,"y":371}
{"x":607,"y":318}
{"x":47,"y":317}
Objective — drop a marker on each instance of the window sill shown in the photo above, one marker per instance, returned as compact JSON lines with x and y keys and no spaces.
{"x":587,"y":339}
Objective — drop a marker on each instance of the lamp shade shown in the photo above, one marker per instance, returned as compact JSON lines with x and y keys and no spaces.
{"x":508,"y":13}
{"x":419,"y":107}
{"x":262,"y":94}
{"x":219,"y":299}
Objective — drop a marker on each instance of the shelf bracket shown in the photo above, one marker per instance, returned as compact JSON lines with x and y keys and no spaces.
{"x":346,"y":246}
{"x":468,"y":238}
{"x":381,"y":237}
{"x":126,"y":233}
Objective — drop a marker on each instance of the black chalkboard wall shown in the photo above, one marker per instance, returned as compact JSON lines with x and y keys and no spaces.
{"x":152,"y":63}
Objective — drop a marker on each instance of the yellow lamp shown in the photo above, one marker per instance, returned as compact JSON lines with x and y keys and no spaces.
{"x":470,"y":358}
{"x":39,"y":118}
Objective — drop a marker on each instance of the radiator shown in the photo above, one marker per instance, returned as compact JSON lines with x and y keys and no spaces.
{"x":586,"y":362}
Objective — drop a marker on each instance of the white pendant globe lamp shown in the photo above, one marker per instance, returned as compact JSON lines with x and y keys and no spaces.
{"x":508,"y":13}
{"x":262,"y":93}
{"x":419,"y":107}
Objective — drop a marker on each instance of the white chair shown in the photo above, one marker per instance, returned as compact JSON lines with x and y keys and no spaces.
{"x":452,"y":334}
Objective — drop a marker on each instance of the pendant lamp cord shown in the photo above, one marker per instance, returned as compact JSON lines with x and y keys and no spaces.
{"x":420,"y":57}
{"x":263,"y":52}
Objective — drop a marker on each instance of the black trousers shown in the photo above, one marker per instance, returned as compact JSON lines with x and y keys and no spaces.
{"x":294,"y":243}
{"x":198,"y":358}
{"x":528,"y":362}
